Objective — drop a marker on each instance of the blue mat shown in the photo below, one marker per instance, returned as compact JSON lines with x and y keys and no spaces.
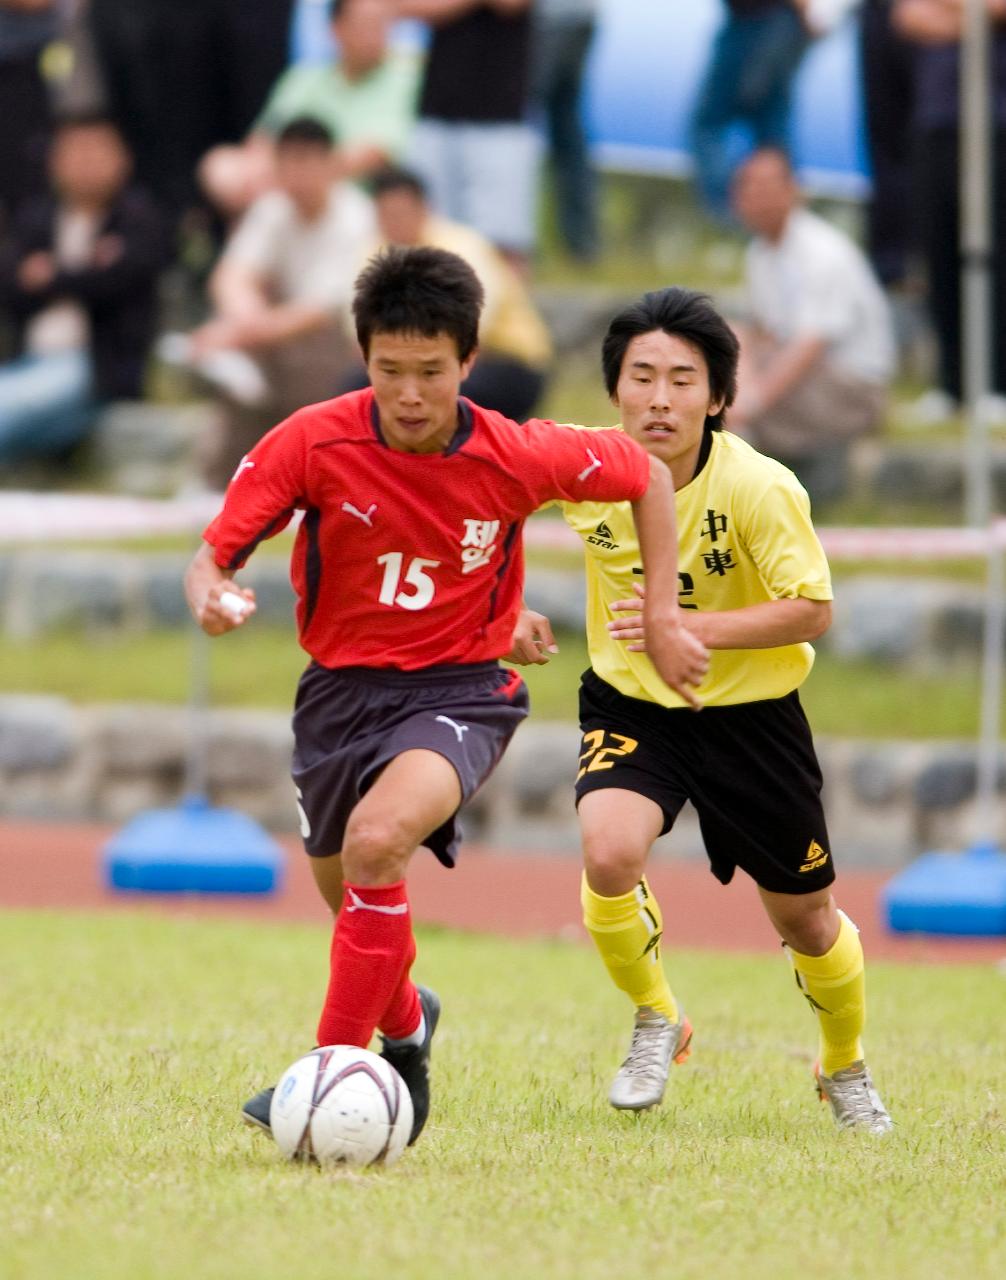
{"x":193,"y":849}
{"x":963,"y":894}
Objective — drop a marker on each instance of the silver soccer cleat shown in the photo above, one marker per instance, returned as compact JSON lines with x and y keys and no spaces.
{"x":656,"y":1043}
{"x":854,"y":1101}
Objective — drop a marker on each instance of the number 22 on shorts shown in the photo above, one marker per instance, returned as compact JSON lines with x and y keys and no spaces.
{"x":595,"y":755}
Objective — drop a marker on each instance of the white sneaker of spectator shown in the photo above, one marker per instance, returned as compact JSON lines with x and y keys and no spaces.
{"x":932,"y":409}
{"x":232,"y":371}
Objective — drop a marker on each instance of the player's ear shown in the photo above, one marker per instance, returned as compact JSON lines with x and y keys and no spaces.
{"x":468,"y":363}
{"x":716,"y":406}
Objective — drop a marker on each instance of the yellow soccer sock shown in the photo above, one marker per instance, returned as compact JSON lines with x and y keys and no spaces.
{"x":835,"y":988}
{"x":626,"y":931}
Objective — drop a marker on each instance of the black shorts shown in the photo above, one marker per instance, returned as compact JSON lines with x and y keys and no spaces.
{"x":349,"y":723}
{"x":750,"y":770}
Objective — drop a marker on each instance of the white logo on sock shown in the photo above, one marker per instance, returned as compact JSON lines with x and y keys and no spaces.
{"x":459,"y":729}
{"x":357,"y":904}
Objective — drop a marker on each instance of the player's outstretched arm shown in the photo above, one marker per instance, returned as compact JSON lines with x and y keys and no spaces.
{"x":680,"y":658}
{"x":216,"y":602}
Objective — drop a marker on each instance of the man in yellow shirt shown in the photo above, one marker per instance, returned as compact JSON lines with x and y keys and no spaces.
{"x":756,"y":587}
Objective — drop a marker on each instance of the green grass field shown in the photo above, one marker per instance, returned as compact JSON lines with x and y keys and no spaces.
{"x":259,"y":667}
{"x":129,"y":1041}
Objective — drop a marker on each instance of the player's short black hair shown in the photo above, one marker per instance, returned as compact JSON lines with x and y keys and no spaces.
{"x":684,"y":314}
{"x":397,"y":178}
{"x":306,"y":131}
{"x":418,"y":290}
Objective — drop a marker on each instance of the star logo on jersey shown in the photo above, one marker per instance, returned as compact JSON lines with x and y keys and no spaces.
{"x":366,"y":516}
{"x":478,"y":542}
{"x":816,"y":857}
{"x":603,"y":537}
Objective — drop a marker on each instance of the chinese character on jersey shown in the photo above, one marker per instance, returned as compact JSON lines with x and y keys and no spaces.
{"x":478,"y":543}
{"x":714,"y":526}
{"x":717,"y":561}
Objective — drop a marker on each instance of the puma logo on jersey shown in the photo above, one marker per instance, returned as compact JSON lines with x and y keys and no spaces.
{"x":603,"y":537}
{"x":816,"y":857}
{"x":243,"y":465}
{"x":356,"y":903}
{"x":595,"y":465}
{"x":366,"y":516}
{"x":459,"y":729}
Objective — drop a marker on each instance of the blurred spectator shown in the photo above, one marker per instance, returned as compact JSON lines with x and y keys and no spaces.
{"x":79,"y":274}
{"x":886,"y":59}
{"x":562,"y":35}
{"x":515,"y":348}
{"x":182,"y":76}
{"x":27,"y":29}
{"x":366,"y":97}
{"x":472,"y":144}
{"x":817,"y":361}
{"x":278,"y":338}
{"x":749,"y":82}
{"x":934,"y":29}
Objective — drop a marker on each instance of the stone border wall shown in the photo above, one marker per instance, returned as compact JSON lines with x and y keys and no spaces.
{"x":887,"y":801}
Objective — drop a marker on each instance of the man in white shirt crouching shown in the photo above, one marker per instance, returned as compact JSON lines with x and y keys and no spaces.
{"x":819,"y":351}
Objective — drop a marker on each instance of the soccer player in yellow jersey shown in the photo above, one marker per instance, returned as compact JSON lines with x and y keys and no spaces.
{"x":756,"y":587}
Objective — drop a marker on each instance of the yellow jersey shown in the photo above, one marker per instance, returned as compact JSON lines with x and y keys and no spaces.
{"x":744,"y":536}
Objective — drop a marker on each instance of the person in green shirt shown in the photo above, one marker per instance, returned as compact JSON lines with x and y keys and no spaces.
{"x":365,"y":97}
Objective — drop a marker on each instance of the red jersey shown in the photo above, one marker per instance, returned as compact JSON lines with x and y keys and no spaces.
{"x":410,"y":560}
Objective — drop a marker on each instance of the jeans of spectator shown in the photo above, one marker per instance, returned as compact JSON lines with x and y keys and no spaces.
{"x":886,"y":60}
{"x":24,"y":132}
{"x":184,"y":75}
{"x":484,"y":175}
{"x":937,"y":209}
{"x":748,"y":81}
{"x":559,"y":58}
{"x":46,"y":405}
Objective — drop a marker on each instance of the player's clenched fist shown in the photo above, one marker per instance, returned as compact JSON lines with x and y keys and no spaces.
{"x":681,"y":659}
{"x":226,"y":606}
{"x":533,"y":642}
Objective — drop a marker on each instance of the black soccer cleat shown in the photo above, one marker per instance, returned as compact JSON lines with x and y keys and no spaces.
{"x":412,"y":1062}
{"x":256,"y":1110}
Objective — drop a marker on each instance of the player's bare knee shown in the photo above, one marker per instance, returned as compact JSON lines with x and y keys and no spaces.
{"x":812,"y":932}
{"x":375,"y":850}
{"x":612,"y":867}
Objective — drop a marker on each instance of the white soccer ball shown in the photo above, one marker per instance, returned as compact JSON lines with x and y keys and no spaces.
{"x":341,"y":1105}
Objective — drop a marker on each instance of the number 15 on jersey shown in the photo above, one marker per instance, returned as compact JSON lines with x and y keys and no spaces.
{"x":415,"y":577}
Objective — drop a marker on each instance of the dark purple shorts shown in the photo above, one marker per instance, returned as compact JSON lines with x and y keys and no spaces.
{"x":349,"y":723}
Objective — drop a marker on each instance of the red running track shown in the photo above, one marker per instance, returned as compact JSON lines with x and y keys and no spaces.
{"x":515,"y":894}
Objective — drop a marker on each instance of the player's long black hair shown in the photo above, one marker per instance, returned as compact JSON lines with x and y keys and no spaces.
{"x":420,"y":290}
{"x":684,"y":314}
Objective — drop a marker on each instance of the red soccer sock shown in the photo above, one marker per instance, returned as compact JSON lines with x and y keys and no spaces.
{"x":372,"y":947}
{"x":401,"y":1018}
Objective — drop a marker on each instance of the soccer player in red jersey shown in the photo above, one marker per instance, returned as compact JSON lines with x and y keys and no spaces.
{"x":408,"y":571}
